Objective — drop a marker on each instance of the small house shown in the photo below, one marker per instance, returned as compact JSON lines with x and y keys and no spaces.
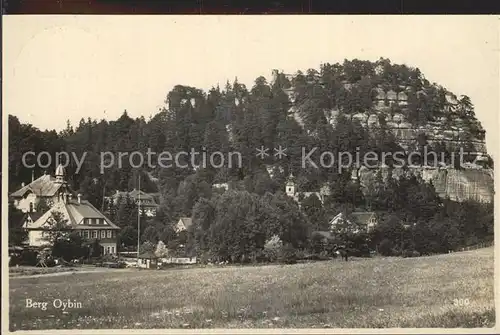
{"x":183,"y":224}
{"x":357,"y":221}
{"x":148,"y":260}
{"x":148,"y":203}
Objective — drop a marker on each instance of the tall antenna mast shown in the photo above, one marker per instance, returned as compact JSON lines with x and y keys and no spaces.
{"x":139,"y":219}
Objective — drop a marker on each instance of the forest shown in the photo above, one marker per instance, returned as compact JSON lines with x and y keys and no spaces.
{"x":238,"y":224}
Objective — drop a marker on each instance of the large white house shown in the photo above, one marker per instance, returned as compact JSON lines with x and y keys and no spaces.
{"x":79,"y":215}
{"x":46,"y":187}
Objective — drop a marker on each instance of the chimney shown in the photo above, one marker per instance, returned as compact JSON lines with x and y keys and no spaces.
{"x":79,"y":198}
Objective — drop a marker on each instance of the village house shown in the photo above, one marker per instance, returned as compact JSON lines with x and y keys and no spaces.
{"x":79,"y":215}
{"x":224,"y":186}
{"x":359,"y":220}
{"x":291,"y":191}
{"x":183,"y":224}
{"x":46,"y":187}
{"x":148,"y":202}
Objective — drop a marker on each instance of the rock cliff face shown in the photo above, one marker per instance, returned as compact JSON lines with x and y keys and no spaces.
{"x":400,"y":100}
{"x":458,"y":185}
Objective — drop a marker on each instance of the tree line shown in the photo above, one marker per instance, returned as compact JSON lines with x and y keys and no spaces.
{"x":237,"y":118}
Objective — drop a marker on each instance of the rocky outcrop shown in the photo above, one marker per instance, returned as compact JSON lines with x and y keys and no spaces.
{"x":458,"y":185}
{"x":451,"y":125}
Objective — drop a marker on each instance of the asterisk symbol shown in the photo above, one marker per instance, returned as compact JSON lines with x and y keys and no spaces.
{"x":262,"y":152}
{"x":280,"y":152}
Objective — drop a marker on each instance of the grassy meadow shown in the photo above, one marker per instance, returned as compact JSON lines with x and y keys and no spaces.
{"x":362,"y":293}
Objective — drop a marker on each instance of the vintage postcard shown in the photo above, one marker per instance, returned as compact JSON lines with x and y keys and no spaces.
{"x":263,"y":174}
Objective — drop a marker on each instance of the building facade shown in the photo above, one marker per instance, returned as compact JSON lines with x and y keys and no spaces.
{"x":149,"y":205}
{"x":47,"y":188}
{"x":75,"y":214}
{"x":291,"y":191}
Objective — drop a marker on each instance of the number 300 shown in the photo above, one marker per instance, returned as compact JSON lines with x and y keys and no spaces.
{"x":461,"y":302}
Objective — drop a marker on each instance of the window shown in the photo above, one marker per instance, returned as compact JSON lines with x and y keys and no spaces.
{"x":103,"y":234}
{"x":107,"y":250}
{"x":112,"y":250}
{"x":31,"y":207}
{"x":94,"y":234}
{"x":109,"y":233}
{"x":86,"y":233}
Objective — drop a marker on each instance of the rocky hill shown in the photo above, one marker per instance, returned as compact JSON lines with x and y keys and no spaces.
{"x":400,"y":100}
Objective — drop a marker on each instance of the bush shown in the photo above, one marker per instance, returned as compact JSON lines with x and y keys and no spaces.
{"x":50,"y":262}
{"x":28,"y":257}
{"x":287,"y":255}
{"x":204,"y":258}
{"x":395,"y":252}
{"x":385,"y":247}
{"x":272,"y":248}
{"x":406,"y":253}
{"x":300,"y":254}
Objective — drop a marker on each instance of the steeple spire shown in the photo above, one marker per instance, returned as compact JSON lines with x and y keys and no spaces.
{"x":60,"y":174}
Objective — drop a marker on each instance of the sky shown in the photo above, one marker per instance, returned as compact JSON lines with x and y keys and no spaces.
{"x":59,"y":68}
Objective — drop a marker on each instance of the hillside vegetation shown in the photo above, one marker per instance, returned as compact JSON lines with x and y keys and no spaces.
{"x":357,"y":106}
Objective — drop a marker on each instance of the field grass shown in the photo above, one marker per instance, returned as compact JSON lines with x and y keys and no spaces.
{"x":363,"y":293}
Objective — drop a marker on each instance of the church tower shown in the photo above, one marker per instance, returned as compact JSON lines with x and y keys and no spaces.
{"x":290,"y":188}
{"x":60,"y":174}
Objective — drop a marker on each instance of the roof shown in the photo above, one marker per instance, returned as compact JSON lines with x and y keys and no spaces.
{"x":187,"y":222}
{"x":146,"y":198}
{"x":45,"y":186}
{"x":148,"y":255}
{"x":362,"y":217}
{"x":325,"y":234}
{"x":60,"y":171}
{"x":75,"y":212}
{"x":33,"y":215}
{"x":85,"y":210}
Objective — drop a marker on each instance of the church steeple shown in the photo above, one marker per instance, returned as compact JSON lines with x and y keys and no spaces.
{"x":60,"y":174}
{"x":290,"y":188}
